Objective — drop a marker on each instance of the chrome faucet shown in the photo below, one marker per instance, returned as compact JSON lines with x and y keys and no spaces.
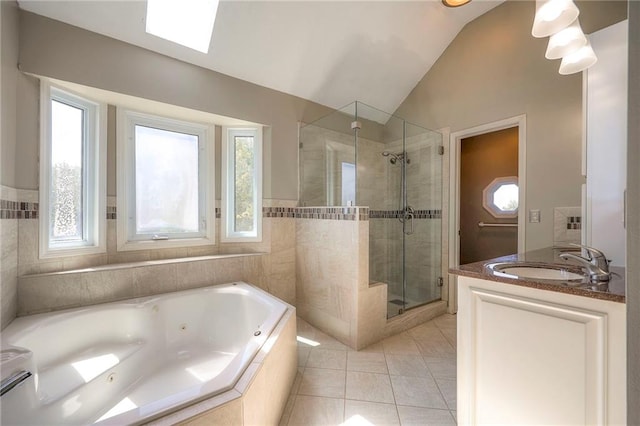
{"x":14,"y":380}
{"x":595,"y":263}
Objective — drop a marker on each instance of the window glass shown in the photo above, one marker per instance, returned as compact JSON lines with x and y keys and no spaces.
{"x":242,"y":184}
{"x":66,"y":195}
{"x":505,"y":197}
{"x":244,"y":188}
{"x":166,"y":176}
{"x":348,"y":183}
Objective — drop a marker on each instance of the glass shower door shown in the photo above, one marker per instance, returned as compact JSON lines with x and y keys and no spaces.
{"x":363,"y":156}
{"x":422,"y":233}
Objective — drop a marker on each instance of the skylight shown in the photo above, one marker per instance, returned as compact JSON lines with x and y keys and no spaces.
{"x":186,"y":22}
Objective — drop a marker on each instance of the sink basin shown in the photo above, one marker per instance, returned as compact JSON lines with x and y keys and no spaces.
{"x":546,"y":272}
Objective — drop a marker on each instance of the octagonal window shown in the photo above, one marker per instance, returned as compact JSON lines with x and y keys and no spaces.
{"x":500,"y":197}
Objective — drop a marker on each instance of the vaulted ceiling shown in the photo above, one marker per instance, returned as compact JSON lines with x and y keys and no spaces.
{"x":330,"y":52}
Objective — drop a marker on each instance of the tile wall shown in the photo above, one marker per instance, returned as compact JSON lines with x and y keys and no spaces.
{"x":9,"y":213}
{"x":39,"y":289}
{"x":332,"y":278}
{"x":29,"y":262}
{"x":567,"y":226}
{"x":379,"y":187}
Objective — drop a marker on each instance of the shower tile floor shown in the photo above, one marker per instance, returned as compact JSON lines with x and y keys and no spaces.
{"x":395,"y":304}
{"x":406,"y":379}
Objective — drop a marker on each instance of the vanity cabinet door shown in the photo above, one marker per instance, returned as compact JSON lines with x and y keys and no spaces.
{"x":528,"y":356}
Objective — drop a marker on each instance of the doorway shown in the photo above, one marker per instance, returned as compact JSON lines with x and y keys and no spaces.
{"x":455,"y":144}
{"x":489,"y":195}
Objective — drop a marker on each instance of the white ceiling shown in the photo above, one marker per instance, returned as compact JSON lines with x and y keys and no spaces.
{"x":330,"y":52}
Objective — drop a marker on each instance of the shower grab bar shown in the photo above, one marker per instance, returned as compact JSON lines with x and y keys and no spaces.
{"x":497,"y":225}
{"x":13,"y":381}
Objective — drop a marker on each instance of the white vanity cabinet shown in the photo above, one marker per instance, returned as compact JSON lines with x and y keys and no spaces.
{"x":528,"y":356}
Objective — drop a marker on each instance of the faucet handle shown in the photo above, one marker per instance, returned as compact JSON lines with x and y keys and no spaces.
{"x":596,"y":256}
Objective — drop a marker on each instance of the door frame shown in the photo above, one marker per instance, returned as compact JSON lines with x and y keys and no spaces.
{"x":455,"y":142}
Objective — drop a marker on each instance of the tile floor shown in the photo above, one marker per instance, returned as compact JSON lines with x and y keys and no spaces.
{"x":407,"y":379}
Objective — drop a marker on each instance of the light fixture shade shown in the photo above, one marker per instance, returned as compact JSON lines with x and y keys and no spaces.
{"x":566,"y":41}
{"x":455,"y":3}
{"x":553,"y":16}
{"x":579,"y":60}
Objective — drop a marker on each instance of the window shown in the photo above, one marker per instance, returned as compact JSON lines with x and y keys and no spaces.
{"x":72,"y":174}
{"x":348,"y":184}
{"x":500,"y":197}
{"x":165,"y":182}
{"x":242,"y":184}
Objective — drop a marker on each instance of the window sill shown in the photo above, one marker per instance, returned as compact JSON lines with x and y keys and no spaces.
{"x":71,"y":251}
{"x":163,"y":244}
{"x":241,"y":239}
{"x":146,"y":263}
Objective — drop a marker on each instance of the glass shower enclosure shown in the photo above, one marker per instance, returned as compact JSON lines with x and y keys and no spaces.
{"x":361,"y":156}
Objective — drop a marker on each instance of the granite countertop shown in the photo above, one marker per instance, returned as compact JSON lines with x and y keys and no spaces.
{"x":612,"y":291}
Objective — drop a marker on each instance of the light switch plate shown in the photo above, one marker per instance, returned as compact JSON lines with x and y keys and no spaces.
{"x":534,"y":216}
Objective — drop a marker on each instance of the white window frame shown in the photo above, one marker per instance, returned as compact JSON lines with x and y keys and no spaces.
{"x":488,"y":193}
{"x":228,"y":180}
{"x":126,"y":237}
{"x":94,"y":166}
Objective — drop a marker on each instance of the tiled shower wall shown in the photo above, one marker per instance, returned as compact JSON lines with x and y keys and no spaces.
{"x":323,"y":148}
{"x":332,"y":290}
{"x":378,"y":187}
{"x":424,"y":194}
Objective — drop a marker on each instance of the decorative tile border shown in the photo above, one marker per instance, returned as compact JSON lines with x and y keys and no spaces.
{"x":574,"y":222}
{"x":18,"y":210}
{"x":332,"y":213}
{"x":396,"y":214}
{"x":27,"y":210}
{"x":112,"y":212}
{"x":279,"y":212}
{"x":567,"y":225}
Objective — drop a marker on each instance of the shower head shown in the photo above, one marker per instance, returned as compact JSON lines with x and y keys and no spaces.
{"x":395,"y":157}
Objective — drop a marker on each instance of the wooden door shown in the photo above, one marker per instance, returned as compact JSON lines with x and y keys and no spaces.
{"x":483,"y":159}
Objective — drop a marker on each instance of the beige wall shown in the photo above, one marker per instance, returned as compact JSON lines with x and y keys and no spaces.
{"x":9,"y":77}
{"x":495,"y":69}
{"x":633,"y":219}
{"x":53,"y":49}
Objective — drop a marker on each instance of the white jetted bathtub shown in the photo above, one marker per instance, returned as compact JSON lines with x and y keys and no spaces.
{"x":131,"y":361}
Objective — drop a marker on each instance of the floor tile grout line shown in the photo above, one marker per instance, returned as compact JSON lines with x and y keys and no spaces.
{"x":444,"y":357}
{"x":442,"y":394}
{"x":393,"y":392}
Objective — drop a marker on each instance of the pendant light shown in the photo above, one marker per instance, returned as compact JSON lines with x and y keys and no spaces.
{"x":553,"y":16}
{"x":455,"y":3}
{"x":579,"y":60}
{"x":566,"y":41}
